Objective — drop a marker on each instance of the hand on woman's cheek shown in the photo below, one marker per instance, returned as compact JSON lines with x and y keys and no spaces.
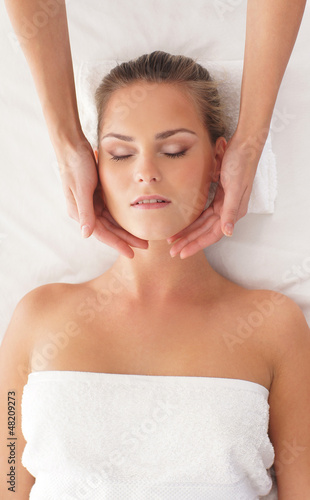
{"x":108,"y":231}
{"x":203,"y":232}
{"x":206,"y":229}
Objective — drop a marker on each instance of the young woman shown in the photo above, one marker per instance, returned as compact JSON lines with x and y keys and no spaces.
{"x":159,"y":379}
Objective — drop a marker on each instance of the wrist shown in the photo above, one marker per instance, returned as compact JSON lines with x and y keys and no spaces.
{"x":62,"y":119}
{"x":254,"y":122}
{"x":252,"y":136}
{"x":66,"y":136}
{"x":255,"y":116}
{"x":249,"y":144}
{"x":70,"y":145}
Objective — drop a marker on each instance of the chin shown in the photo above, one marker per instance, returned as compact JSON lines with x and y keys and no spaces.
{"x":158,"y":229}
{"x":152,"y":234}
{"x":156,"y":232}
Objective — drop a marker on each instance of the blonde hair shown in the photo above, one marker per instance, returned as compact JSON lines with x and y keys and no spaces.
{"x":162,"y":67}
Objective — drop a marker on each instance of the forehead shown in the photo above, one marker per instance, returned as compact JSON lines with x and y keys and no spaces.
{"x":145,"y":102}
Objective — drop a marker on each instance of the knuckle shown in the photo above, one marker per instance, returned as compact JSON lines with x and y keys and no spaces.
{"x":232,"y":212}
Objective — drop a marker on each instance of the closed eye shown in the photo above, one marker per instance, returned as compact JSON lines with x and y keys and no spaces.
{"x":170,"y":155}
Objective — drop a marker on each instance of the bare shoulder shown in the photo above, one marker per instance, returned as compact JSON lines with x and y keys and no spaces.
{"x":269,"y":321}
{"x":27,"y":314}
{"x":283,"y":320}
{"x":279,"y":330}
{"x":54,"y":301}
{"x":15,"y":351}
{"x":40,"y":309}
{"x":288,"y":342}
{"x":270,"y":311}
{"x":38,"y":305}
{"x":41,"y":297}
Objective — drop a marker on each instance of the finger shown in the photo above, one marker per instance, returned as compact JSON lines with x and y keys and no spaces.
{"x":99,"y":205}
{"x":118,"y":238}
{"x":186,"y":237}
{"x":129,"y":238}
{"x":243,"y":207}
{"x":203,"y":241}
{"x":230,"y":210}
{"x":194,"y":235}
{"x":85,"y":206}
{"x":106,"y":215}
{"x":194,"y":225}
{"x":71,"y":206}
{"x":113,"y":241}
{"x":123,"y":234}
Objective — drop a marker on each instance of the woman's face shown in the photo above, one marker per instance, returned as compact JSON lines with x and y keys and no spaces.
{"x":154,"y":157}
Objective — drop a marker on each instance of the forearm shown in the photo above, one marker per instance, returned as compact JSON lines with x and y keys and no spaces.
{"x":42,"y":30}
{"x":271,"y":30}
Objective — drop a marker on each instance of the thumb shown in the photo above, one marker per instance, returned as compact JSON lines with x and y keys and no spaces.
{"x":229,"y":212}
{"x":87,"y":218}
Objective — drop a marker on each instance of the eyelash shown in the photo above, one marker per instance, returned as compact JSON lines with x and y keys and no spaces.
{"x":170,"y":155}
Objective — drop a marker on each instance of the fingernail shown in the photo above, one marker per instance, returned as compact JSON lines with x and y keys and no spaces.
{"x":228,"y":229}
{"x":85,"y":231}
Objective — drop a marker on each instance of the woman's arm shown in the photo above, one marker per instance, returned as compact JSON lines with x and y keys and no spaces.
{"x":42,"y":30}
{"x":14,"y":354}
{"x":271,"y":30}
{"x":289,"y":402}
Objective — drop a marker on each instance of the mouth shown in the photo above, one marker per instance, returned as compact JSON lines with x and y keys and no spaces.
{"x":148,"y":202}
{"x":151,"y":205}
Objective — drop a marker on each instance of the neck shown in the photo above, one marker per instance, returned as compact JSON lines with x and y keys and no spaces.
{"x":154,"y":274}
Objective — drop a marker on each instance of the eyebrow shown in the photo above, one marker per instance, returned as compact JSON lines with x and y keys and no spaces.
{"x":161,"y":135}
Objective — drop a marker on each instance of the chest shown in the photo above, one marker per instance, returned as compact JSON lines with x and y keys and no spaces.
{"x":182,"y":339}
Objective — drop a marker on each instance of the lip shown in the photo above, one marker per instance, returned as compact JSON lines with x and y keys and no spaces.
{"x":150,"y":206}
{"x":151,"y":197}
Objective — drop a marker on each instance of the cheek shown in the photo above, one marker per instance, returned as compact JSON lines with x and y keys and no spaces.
{"x":107,"y":182}
{"x":114,"y":187}
{"x":194,"y":183}
{"x":108,"y":179}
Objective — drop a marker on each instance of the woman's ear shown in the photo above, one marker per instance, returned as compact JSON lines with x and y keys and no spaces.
{"x":219,"y":151}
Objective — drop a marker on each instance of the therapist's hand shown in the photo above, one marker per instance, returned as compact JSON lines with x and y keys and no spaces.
{"x":230,"y":203}
{"x":77,"y":167}
{"x":271,"y":31}
{"x":108,"y":231}
{"x":79,"y":175}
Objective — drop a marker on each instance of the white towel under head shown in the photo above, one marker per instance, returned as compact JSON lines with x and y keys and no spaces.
{"x":228,"y":74}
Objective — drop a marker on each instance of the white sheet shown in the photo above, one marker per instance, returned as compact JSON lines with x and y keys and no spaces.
{"x":40,"y":244}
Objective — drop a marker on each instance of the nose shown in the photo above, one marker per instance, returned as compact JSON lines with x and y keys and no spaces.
{"x":147,"y":171}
